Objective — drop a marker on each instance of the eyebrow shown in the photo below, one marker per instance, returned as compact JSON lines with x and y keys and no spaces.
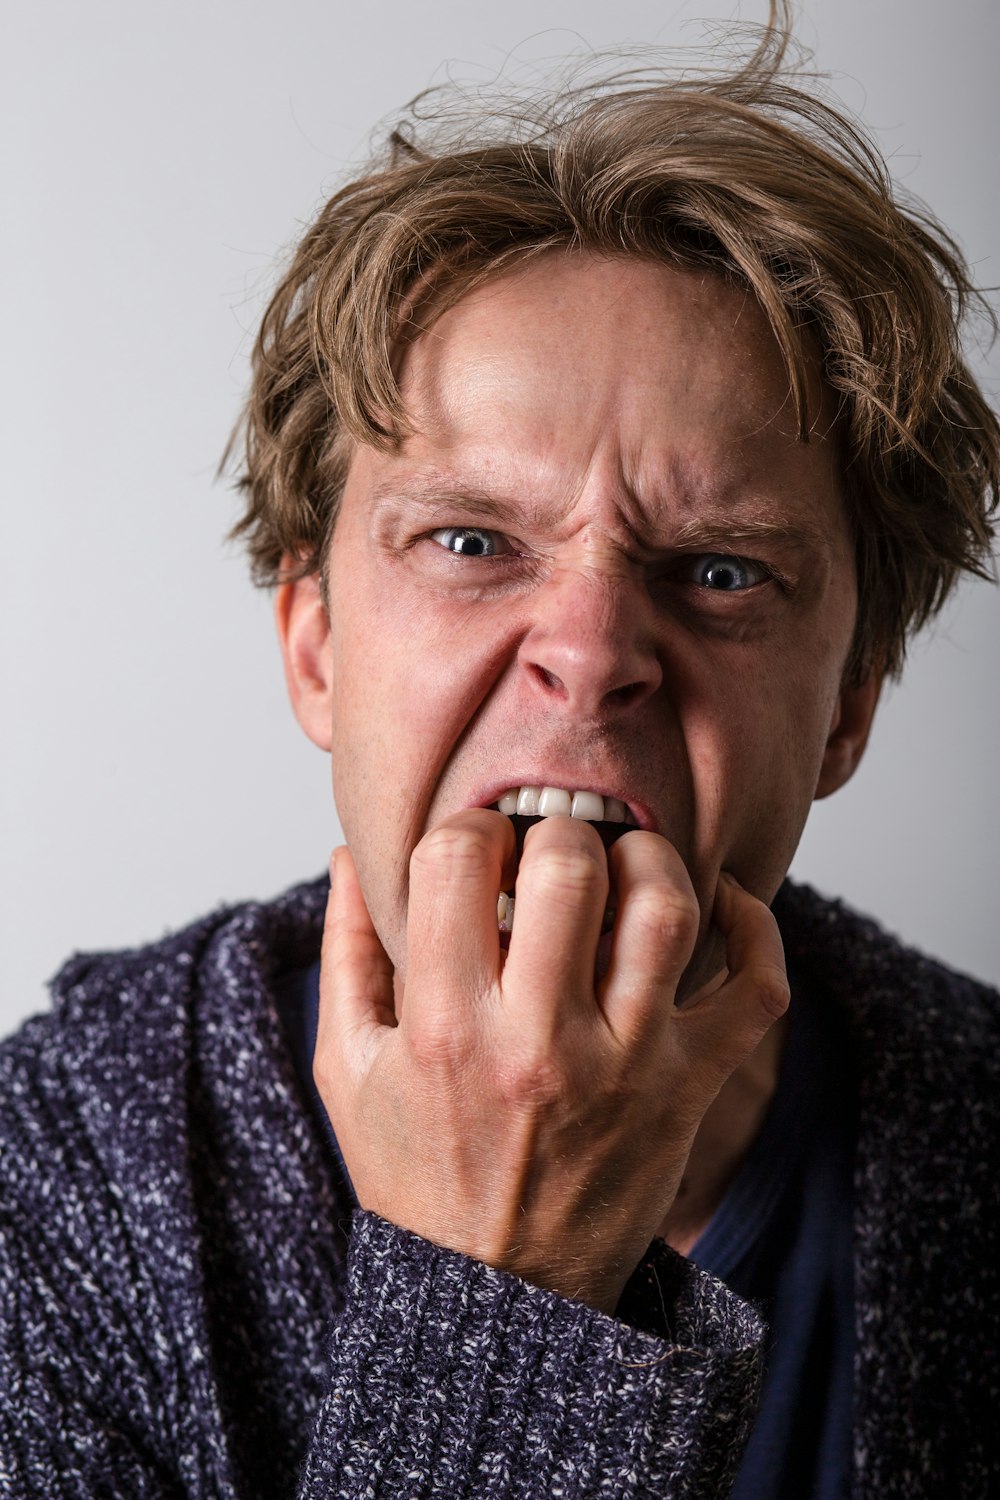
{"x":431,"y":496}
{"x":711,"y":534}
{"x":476,"y":504}
{"x":708,"y":534}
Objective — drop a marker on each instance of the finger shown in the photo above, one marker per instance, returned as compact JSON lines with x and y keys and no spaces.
{"x":356,"y":976}
{"x":452,"y":938}
{"x":723,"y":1027}
{"x":560,"y":900}
{"x":656,"y":928}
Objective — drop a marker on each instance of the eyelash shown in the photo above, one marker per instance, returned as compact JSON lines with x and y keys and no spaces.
{"x":730,"y":561}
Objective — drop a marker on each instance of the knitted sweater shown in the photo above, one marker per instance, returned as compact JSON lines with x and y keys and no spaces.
{"x":188,"y":1309}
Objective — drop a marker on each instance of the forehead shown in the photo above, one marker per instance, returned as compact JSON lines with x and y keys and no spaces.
{"x":662,"y":382}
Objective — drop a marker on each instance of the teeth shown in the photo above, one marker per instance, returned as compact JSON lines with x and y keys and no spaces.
{"x":527,"y":801}
{"x":589,"y":805}
{"x":555,"y":802}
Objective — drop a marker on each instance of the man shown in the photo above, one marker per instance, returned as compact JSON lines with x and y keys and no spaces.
{"x":603,"y":473}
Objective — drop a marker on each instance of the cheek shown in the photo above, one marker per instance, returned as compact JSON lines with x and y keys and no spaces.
{"x":409,"y":677}
{"x":755,"y":745}
{"x":406,"y":686}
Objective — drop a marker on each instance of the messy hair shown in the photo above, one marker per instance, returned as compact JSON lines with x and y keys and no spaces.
{"x":748,"y":174}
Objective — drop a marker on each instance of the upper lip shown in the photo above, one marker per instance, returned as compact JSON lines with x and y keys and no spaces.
{"x":586,"y":782}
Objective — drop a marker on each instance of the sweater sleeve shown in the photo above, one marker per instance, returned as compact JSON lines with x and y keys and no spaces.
{"x":446,"y":1378}
{"x":451,"y":1378}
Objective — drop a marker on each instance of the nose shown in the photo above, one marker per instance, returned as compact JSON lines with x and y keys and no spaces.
{"x":592,"y":646}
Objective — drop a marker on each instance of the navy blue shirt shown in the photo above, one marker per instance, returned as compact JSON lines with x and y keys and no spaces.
{"x":781,"y":1238}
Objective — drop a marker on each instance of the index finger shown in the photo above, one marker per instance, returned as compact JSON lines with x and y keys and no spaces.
{"x":452,"y":937}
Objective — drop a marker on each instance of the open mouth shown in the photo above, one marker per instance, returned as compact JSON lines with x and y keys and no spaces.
{"x":527,"y":805}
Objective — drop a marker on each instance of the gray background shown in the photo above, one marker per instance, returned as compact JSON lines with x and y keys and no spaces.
{"x":158,"y":158}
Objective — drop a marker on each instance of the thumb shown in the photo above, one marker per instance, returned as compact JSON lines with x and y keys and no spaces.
{"x":356,"y":976}
{"x":724,"y":1026}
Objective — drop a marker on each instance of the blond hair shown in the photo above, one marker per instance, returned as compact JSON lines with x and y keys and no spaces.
{"x":746,"y":174}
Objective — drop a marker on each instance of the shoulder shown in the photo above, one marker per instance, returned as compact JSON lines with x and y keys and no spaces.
{"x":111,"y":1108}
{"x":103,"y":1002}
{"x":109,"y":1062}
{"x":883,"y":985}
{"x":925,"y":1043}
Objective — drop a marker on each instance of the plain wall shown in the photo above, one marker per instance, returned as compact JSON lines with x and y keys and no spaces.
{"x":158,"y":158}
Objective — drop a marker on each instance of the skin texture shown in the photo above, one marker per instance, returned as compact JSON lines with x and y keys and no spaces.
{"x":602,"y":426}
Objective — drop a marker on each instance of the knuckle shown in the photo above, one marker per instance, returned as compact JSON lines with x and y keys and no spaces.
{"x":573,"y":872}
{"x":665,"y":918}
{"x":438,"y":1046}
{"x":773,"y":991}
{"x":452,"y":853}
{"x":532,"y":1080}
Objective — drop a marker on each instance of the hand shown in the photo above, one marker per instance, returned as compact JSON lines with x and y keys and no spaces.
{"x":516,"y":1110}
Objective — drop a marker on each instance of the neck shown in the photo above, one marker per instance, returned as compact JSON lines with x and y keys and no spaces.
{"x":724,"y":1137}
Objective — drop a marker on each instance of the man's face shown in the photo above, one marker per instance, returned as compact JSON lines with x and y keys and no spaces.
{"x":602,"y":562}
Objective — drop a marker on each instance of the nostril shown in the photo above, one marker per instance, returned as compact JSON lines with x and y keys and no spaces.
{"x":621,"y":697}
{"x":596,"y":693}
{"x":549,"y":679}
{"x":603,"y":671}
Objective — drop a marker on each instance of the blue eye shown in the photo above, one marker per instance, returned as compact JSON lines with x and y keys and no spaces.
{"x":726,"y":574}
{"x":470,"y":541}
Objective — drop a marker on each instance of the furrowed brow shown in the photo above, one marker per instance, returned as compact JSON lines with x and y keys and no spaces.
{"x":435,"y":498}
{"x":706,"y":534}
{"x":746,"y":531}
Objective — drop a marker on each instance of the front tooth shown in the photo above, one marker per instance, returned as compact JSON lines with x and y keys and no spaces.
{"x":508,"y":803}
{"x":554,"y":802}
{"x":527,"y":801}
{"x":614,"y":811}
{"x":589,"y":805}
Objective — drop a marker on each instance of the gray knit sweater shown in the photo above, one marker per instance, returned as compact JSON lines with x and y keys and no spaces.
{"x":187,"y":1308}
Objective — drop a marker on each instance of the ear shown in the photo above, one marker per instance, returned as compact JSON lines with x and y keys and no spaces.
{"x":306,"y":649}
{"x":849,"y":730}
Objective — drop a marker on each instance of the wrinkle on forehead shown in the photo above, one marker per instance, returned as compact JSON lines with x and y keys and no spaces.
{"x":678,"y":510}
{"x":675,"y":402}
